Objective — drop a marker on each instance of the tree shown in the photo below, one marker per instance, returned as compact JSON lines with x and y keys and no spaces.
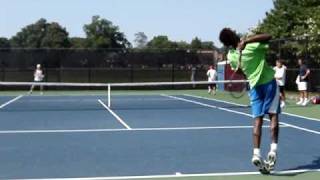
{"x":4,"y":42}
{"x":41,"y":34}
{"x":55,"y":36}
{"x":161,"y":42}
{"x":196,"y":43}
{"x":101,"y":33}
{"x":298,"y":20}
{"x":78,"y":42}
{"x":140,"y":40}
{"x":207,"y":45}
{"x":291,"y":18}
{"x":183,"y":45}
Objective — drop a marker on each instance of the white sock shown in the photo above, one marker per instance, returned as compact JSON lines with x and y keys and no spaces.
{"x":305,"y":99}
{"x":256,"y":151}
{"x":273,"y":147}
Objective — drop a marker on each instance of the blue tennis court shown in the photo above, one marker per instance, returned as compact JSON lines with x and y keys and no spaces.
{"x":44,"y":137}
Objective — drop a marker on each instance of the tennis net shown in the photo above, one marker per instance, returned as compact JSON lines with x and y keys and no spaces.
{"x":117,"y":95}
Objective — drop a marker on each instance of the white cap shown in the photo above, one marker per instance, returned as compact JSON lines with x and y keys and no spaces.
{"x":38,"y":65}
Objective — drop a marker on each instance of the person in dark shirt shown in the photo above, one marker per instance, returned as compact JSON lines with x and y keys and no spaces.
{"x":302,"y":82}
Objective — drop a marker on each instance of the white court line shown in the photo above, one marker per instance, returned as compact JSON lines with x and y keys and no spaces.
{"x":288,"y":172}
{"x":115,"y":115}
{"x":217,"y":100}
{"x":303,"y":117}
{"x":238,"y":112}
{"x":11,"y":101}
{"x":242,"y":105}
{"x":123,"y":130}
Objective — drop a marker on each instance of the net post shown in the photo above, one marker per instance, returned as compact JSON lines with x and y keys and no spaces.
{"x":109,"y":95}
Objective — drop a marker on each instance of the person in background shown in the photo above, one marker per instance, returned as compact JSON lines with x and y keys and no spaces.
{"x":212,"y":76}
{"x":280,"y":76}
{"x":193,"y":74}
{"x":38,"y":77}
{"x":302,"y":82}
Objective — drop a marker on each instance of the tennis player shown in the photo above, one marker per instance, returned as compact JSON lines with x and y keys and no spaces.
{"x":264,"y":92}
{"x":212,"y":76}
{"x":38,"y":77}
{"x":280,"y":76}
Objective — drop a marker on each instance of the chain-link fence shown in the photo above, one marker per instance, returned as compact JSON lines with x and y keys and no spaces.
{"x":105,"y":65}
{"x":129,"y":65}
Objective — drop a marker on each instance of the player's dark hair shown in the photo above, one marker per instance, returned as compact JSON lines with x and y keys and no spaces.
{"x":228,"y":37}
{"x":280,"y":61}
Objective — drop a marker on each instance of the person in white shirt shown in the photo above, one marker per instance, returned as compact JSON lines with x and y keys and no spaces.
{"x":38,"y":77}
{"x":212,"y":76}
{"x":280,"y":76}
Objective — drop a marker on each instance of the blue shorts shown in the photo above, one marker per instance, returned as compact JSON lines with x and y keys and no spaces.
{"x":265,"y":99}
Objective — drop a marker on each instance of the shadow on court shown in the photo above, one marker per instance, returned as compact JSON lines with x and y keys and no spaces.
{"x":315,"y":164}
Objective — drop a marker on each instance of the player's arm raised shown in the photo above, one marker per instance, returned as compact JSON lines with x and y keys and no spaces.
{"x":254,"y":38}
{"x":258,"y":38}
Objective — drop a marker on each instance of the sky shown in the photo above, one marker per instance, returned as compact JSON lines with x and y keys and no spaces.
{"x":180,"y":20}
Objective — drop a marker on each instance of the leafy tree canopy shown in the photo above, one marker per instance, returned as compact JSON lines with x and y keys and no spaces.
{"x":101,"y":33}
{"x":298,"y":20}
{"x":41,"y":35}
{"x":161,"y":42}
{"x":4,"y":42}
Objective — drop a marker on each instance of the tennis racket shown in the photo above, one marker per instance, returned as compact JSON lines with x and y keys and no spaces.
{"x":237,"y":85}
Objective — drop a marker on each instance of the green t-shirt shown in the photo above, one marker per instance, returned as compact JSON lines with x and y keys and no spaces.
{"x":253,"y":63}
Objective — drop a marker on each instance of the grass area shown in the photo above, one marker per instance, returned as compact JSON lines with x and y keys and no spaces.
{"x":311,"y":111}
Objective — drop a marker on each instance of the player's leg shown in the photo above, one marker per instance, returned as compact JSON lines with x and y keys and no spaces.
{"x":305,"y":95}
{"x":283,"y":94}
{"x":31,"y":89}
{"x":301,"y":89}
{"x":301,"y":97}
{"x":214,"y":89}
{"x":209,"y":88}
{"x":282,"y":97}
{"x":256,"y":98}
{"x":257,"y":158}
{"x":274,"y":127}
{"x":257,"y":131}
{"x":272,"y":107}
{"x":274,"y":130}
{"x":304,"y":98}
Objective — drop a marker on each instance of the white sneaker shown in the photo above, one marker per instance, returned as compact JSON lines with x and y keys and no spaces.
{"x":300,"y":102}
{"x":305,"y":102}
{"x":259,"y":163}
{"x":271,"y":160}
{"x":283,"y":104}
